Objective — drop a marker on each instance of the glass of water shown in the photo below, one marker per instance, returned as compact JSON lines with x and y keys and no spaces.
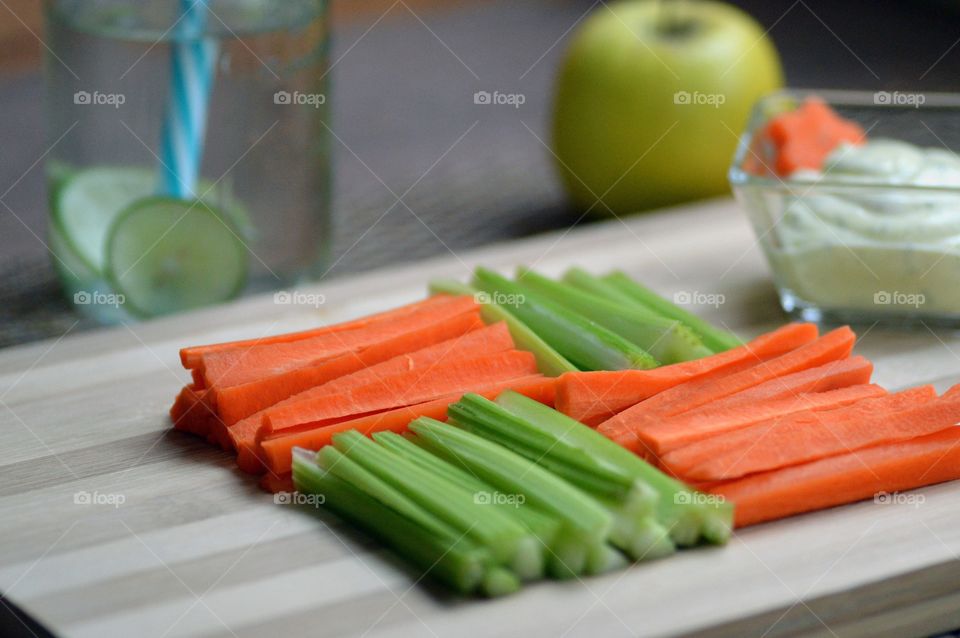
{"x":188,"y":156}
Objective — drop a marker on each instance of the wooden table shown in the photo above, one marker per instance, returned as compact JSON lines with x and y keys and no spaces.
{"x":176,"y":542}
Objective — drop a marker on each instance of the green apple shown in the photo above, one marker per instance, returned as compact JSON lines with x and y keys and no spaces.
{"x":651,"y":98}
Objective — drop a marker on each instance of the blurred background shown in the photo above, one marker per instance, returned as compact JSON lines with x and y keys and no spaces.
{"x":418,"y":168}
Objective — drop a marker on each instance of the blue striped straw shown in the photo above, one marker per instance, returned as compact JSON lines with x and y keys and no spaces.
{"x":192,"y":71}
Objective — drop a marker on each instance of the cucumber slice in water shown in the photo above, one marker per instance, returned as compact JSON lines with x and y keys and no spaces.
{"x":86,"y":204}
{"x":166,"y":255}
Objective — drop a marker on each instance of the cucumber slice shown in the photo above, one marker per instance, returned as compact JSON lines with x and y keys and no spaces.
{"x":74,"y":270}
{"x":86,"y":204}
{"x":166,"y":255}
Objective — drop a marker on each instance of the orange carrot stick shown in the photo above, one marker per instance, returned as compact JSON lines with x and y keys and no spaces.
{"x":486,"y":341}
{"x":275,"y":452}
{"x":233,"y":367}
{"x":624,"y":427}
{"x":807,"y":436}
{"x":407,"y":388}
{"x":721,"y":417}
{"x":593,"y":397}
{"x":191,"y":411}
{"x":377,"y":396}
{"x":803,"y":138}
{"x":240,"y":401}
{"x":192,"y":357}
{"x":866,"y":473}
{"x":663,"y":434}
{"x":829,"y":376}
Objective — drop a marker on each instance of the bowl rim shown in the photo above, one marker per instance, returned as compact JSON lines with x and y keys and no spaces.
{"x":738,"y":177}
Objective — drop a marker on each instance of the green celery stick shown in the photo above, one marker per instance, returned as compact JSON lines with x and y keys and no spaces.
{"x":553,"y":450}
{"x":639,"y":535}
{"x":549,"y":361}
{"x":540,"y":524}
{"x":631,"y":501}
{"x":500,"y":582}
{"x":588,"y":282}
{"x":434,"y":547}
{"x":715,"y":339}
{"x":508,"y":540}
{"x":689,"y":515}
{"x":585,"y":343}
{"x":605,"y":558}
{"x":666,"y":339}
{"x":585,"y":522}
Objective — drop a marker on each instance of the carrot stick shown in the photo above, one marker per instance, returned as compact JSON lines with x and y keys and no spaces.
{"x":866,"y":473}
{"x":593,"y":397}
{"x":233,"y":367}
{"x":829,"y":376}
{"x":415,"y":386}
{"x":374,"y":397}
{"x":489,"y":340}
{"x":718,"y":418}
{"x":191,"y":411}
{"x":479,"y":344}
{"x":240,"y":401}
{"x":624,"y":427}
{"x":806,"y":136}
{"x":807,"y":436}
{"x":741,"y":408}
{"x":276,"y":451}
{"x":192,"y":357}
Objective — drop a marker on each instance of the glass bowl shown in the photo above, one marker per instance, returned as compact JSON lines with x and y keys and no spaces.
{"x":860,"y":248}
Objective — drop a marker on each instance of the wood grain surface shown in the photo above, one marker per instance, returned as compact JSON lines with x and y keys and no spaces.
{"x":176,"y":542}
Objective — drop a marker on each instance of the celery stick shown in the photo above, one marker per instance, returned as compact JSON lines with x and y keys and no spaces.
{"x":549,"y":361}
{"x":605,"y":558}
{"x":685,"y":512}
{"x":554,"y":450}
{"x":438,"y":550}
{"x":585,"y":521}
{"x":640,"y":537}
{"x":500,"y":582}
{"x":715,"y":339}
{"x":540,"y":524}
{"x":585,"y":343}
{"x":506,"y":538}
{"x":588,"y":282}
{"x":630,"y":500}
{"x":666,"y":339}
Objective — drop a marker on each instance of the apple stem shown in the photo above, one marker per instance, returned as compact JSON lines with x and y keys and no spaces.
{"x":674,"y":18}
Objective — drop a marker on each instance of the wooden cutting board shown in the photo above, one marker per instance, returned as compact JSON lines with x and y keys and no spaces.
{"x":175,"y":542}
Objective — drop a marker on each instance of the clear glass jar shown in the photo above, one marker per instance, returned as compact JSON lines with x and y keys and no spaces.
{"x":188,"y":159}
{"x":861,"y":247}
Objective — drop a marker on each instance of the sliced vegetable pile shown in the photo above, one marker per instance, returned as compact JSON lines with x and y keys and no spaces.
{"x":433,"y":425}
{"x":507,"y":491}
{"x":785,"y":424}
{"x":261,"y":398}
